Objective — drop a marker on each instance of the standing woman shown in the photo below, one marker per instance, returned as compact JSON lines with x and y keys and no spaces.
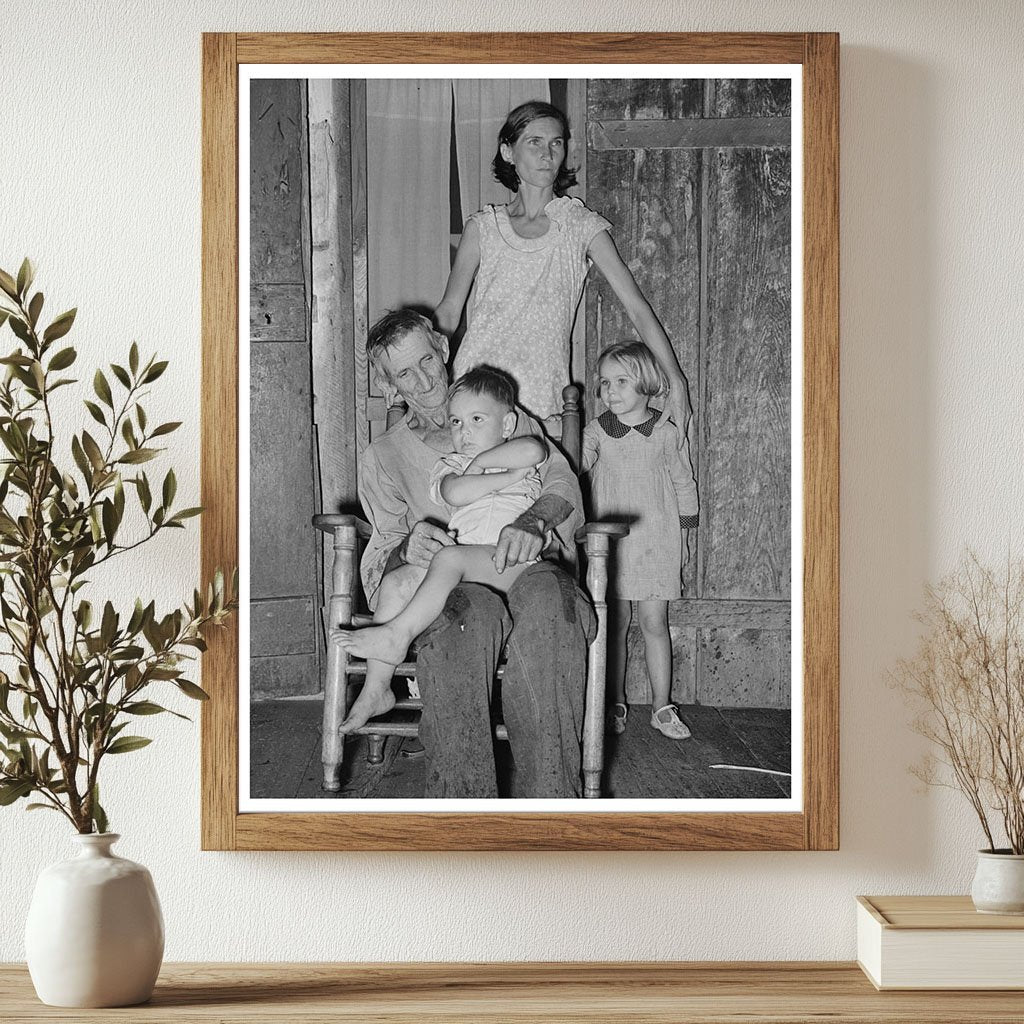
{"x":530,"y":260}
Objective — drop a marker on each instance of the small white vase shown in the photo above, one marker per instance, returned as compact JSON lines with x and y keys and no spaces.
{"x":95,"y":934}
{"x":999,"y":882}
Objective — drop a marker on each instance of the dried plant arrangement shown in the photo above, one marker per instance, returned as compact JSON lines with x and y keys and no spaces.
{"x":74,"y":674}
{"x":967,"y":678}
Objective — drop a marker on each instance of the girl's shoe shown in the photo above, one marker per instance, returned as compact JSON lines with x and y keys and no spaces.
{"x":617,"y":715}
{"x":666,"y":721}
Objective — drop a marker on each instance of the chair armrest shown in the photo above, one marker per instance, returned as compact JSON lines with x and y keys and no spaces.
{"x":345,"y":531}
{"x":327,"y":522}
{"x":595,"y":529}
{"x":596,"y":540}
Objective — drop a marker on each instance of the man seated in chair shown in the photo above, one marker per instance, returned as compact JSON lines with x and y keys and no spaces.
{"x":544,"y":623}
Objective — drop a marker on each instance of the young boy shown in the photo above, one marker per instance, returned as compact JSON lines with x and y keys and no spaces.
{"x":487,"y":483}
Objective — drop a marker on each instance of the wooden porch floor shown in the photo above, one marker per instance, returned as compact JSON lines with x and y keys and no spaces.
{"x":641,"y":763}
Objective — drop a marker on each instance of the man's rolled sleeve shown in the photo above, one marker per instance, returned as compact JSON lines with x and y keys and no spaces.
{"x":557,"y":480}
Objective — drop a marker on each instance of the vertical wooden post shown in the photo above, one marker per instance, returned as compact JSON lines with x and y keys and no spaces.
{"x":360,"y":297}
{"x":696,"y":572}
{"x":333,"y":344}
{"x":576,"y":102}
{"x":331,"y":322}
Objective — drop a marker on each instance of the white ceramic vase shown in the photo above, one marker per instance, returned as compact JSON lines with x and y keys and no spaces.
{"x":95,"y":934}
{"x":999,"y":883}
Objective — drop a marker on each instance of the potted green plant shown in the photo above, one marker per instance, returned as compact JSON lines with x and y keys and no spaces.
{"x":75,"y":671}
{"x":967,"y":680}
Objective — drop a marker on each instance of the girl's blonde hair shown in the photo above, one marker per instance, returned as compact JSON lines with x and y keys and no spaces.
{"x":641,"y":365}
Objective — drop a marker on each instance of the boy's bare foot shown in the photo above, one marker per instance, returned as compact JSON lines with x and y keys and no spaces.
{"x":375,"y":643}
{"x":370,"y":703}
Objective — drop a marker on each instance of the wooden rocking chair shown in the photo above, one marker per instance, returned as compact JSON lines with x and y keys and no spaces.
{"x":342,"y":672}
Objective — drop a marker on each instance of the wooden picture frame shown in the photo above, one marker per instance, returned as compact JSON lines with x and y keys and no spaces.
{"x":816,"y":826}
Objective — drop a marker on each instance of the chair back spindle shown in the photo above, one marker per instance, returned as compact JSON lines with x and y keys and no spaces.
{"x":571,"y":434}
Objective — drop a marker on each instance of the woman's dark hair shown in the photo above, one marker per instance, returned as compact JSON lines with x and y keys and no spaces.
{"x":514,"y":126}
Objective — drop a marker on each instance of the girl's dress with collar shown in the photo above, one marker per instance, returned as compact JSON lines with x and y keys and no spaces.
{"x":639,"y":476}
{"x":524,"y":299}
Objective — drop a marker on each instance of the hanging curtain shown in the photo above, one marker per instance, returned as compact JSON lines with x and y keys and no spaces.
{"x":408,"y":150}
{"x":480,"y":110}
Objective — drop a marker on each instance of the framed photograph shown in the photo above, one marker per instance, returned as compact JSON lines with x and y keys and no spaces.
{"x":631,"y":241}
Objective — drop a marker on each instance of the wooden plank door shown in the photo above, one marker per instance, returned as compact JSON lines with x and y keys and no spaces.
{"x":695,"y":177}
{"x":285,"y":645}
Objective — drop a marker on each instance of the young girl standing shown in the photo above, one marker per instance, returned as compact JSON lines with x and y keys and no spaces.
{"x":530,"y":260}
{"x":641,"y":476}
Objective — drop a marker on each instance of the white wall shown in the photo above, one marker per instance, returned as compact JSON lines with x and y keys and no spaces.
{"x":100,"y":183}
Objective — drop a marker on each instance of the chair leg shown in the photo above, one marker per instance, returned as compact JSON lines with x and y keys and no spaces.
{"x":376,"y":754}
{"x":593,"y":718}
{"x":597,"y":660}
{"x":335,"y":698}
{"x":339,"y":612}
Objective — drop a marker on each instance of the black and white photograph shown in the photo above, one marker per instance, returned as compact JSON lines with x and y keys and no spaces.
{"x":519,"y":419}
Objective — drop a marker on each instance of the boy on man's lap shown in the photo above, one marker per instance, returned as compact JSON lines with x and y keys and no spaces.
{"x":488,"y":482}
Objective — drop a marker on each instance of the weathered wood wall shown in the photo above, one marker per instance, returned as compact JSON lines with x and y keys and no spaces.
{"x":284,"y":638}
{"x":695,"y":178}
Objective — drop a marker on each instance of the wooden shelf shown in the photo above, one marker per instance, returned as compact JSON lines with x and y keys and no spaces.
{"x":703,"y":993}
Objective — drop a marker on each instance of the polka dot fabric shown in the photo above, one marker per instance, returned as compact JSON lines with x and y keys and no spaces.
{"x":524,"y":299}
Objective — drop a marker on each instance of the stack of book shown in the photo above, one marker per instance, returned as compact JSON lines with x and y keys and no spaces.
{"x":906,"y":942}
